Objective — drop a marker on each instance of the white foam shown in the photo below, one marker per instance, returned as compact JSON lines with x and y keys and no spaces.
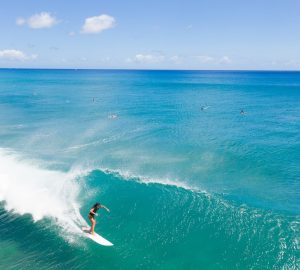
{"x":28,"y":188}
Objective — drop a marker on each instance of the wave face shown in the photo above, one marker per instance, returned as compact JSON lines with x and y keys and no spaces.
{"x":191,"y":182}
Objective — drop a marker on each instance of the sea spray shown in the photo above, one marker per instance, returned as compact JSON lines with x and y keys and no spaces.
{"x":28,"y":188}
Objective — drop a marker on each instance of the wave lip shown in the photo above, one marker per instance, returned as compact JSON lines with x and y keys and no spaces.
{"x":127,"y":175}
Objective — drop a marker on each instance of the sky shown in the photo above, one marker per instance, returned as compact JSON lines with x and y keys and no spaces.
{"x":150,"y":34}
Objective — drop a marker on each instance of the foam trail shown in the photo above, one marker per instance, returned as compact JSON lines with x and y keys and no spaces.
{"x":26,"y":187}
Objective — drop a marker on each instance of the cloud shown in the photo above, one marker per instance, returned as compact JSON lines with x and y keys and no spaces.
{"x":11,"y":54}
{"x":290,"y":64}
{"x":20,"y":21}
{"x":97,"y":24}
{"x":225,"y":60}
{"x":106,"y":60}
{"x":147,"y":58}
{"x":175,"y":59}
{"x":38,"y":21}
{"x":205,"y":58}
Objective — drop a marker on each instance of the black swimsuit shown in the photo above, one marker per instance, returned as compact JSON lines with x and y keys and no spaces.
{"x":91,"y":214}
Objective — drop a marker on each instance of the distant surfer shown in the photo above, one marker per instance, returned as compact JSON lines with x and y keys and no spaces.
{"x":93,"y":214}
{"x":113,"y":116}
{"x":204,"y":107}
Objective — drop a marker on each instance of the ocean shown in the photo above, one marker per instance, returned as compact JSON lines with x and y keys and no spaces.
{"x":200,"y":169}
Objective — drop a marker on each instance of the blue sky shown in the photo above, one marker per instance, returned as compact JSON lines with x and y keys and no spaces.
{"x":142,"y":34}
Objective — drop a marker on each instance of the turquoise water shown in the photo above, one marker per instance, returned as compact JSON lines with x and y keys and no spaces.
{"x":190,"y":181}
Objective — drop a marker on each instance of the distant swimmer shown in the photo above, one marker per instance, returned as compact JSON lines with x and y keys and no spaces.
{"x":113,"y":116}
{"x":93,"y":214}
{"x":242,"y":111}
{"x":204,"y":108}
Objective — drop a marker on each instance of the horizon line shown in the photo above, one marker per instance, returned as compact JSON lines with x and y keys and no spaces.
{"x":150,"y":69}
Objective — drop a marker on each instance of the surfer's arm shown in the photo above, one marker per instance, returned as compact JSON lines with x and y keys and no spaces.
{"x":103,"y":206}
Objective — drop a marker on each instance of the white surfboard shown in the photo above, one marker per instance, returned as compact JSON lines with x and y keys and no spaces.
{"x":96,"y":237}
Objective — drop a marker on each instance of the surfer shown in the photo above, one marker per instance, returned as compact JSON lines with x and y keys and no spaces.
{"x":113,"y":116}
{"x":204,"y":107}
{"x":93,"y":213}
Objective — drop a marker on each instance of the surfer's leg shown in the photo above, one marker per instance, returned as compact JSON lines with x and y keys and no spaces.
{"x":93,"y":226}
{"x":93,"y":221}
